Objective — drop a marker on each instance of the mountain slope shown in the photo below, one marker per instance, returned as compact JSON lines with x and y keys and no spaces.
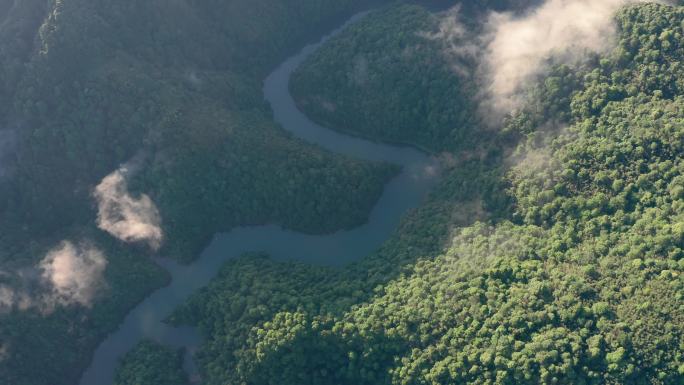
{"x":574,"y":276}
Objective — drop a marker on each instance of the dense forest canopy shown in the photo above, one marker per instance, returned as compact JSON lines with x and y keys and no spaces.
{"x":574,"y":275}
{"x":151,"y":364}
{"x":90,"y":86}
{"x":395,"y":82}
{"x":550,"y":252}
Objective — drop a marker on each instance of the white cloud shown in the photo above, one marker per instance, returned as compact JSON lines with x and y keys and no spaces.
{"x":69,"y":274}
{"x":7,"y":298}
{"x":15,"y":297}
{"x":520,"y":48}
{"x":74,"y":273}
{"x":125,"y":217}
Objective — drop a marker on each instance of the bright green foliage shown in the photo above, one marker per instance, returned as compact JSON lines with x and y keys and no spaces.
{"x":576,"y":276}
{"x":151,"y":364}
{"x":389,"y":77}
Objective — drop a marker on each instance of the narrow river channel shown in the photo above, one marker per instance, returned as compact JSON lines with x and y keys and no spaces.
{"x":402,"y":193}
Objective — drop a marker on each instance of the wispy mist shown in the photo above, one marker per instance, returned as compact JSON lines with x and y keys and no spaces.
{"x":7,"y":297}
{"x":69,"y":274}
{"x":4,"y":351}
{"x":74,"y":273}
{"x":125,"y":217}
{"x":521,"y":48}
{"x":512,"y":51}
{"x":461,"y":46}
{"x":19,"y":297}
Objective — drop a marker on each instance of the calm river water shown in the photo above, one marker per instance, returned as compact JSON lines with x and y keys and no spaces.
{"x":402,"y":193}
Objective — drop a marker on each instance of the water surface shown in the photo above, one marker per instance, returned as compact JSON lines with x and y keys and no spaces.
{"x":402,"y":193}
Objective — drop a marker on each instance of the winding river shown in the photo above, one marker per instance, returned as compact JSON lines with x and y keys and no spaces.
{"x":402,"y":193}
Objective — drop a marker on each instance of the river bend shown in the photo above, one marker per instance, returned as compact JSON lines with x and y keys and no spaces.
{"x":403,"y":192}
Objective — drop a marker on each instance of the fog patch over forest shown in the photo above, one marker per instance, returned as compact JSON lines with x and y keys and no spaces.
{"x":7,"y":298}
{"x":512,"y":50}
{"x":69,"y":274}
{"x":74,"y":273}
{"x":22,"y":292}
{"x":522,"y":48}
{"x":125,"y":217}
{"x":461,"y":45}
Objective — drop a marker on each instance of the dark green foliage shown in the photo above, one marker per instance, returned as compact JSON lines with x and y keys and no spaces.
{"x":63,"y":340}
{"x":140,"y":84}
{"x":151,"y":364}
{"x":19,"y":21}
{"x":297,"y":186}
{"x":573,"y":273}
{"x":558,"y":262}
{"x":390,"y":78}
{"x":86,"y":85}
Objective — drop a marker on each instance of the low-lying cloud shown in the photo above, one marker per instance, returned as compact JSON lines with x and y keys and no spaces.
{"x":460,"y":45}
{"x":125,"y":217}
{"x":7,"y":297}
{"x":519,"y":49}
{"x":511,"y":50}
{"x":19,"y":297}
{"x":69,"y":274}
{"x":74,"y":273}
{"x":4,"y":351}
